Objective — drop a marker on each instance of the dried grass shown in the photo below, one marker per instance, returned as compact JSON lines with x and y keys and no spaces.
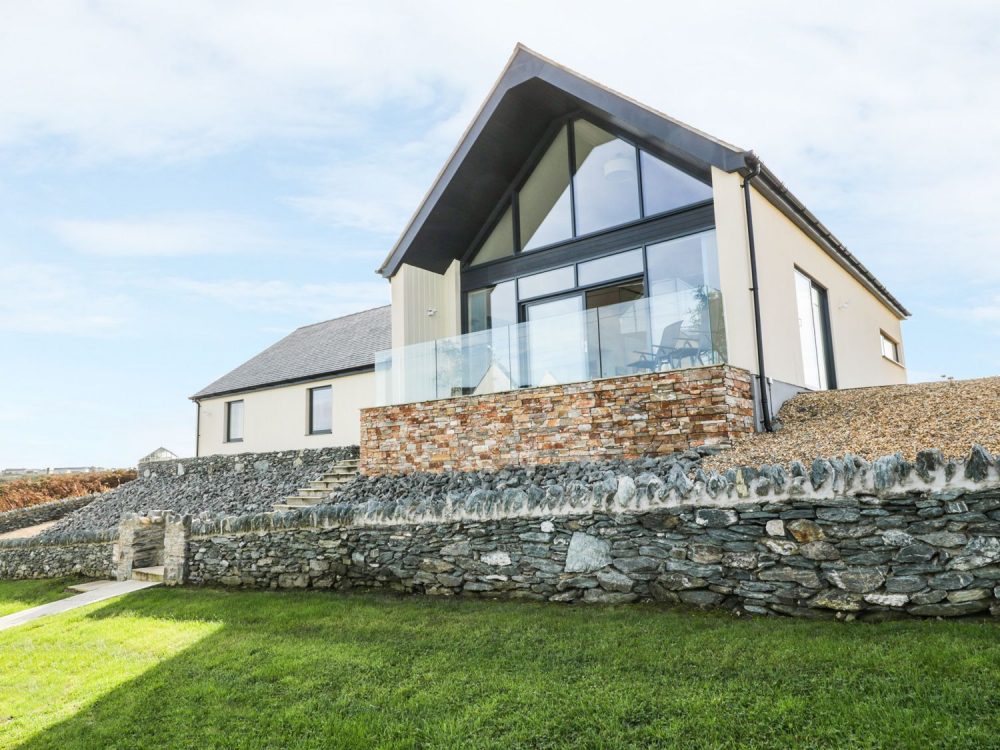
{"x":22,"y":493}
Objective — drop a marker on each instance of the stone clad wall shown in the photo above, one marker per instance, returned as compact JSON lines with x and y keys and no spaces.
{"x":640,"y":415}
{"x":846,"y":538}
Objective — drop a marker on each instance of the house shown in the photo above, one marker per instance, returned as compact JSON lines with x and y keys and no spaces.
{"x":573,"y":236}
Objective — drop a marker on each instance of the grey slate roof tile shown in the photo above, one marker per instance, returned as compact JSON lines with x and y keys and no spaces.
{"x":325,"y":348}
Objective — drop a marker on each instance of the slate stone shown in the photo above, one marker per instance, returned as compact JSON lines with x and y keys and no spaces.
{"x":915,"y":553}
{"x":600,"y":596}
{"x":801,"y":576}
{"x":977,"y":465}
{"x":587,"y":553}
{"x":715,"y":517}
{"x":887,"y":600}
{"x":819,"y":551}
{"x":612,"y":580}
{"x":838,"y":515}
{"x":701,"y":598}
{"x":680,"y":581}
{"x":843,"y":601}
{"x":858,"y":580}
{"x":951,"y":580}
{"x":949,"y":609}
{"x":775,"y":527}
{"x":904,"y":584}
{"x":805,"y":530}
{"x":944,"y":539}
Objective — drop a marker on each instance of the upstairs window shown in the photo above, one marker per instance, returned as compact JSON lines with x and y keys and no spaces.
{"x":587,"y":180}
{"x":234,"y":421}
{"x":321,"y":410}
{"x":890,"y":347}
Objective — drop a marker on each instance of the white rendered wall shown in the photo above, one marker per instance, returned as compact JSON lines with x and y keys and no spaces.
{"x":277,"y":419}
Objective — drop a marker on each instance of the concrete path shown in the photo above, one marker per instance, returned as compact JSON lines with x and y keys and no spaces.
{"x":99,"y":594}
{"x":28,"y":531}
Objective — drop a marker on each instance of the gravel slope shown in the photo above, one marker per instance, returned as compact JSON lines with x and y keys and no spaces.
{"x":874,"y":422}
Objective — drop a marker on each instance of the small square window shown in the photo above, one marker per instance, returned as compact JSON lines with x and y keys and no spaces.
{"x":321,"y":410}
{"x":890,"y":348}
{"x":234,"y":421}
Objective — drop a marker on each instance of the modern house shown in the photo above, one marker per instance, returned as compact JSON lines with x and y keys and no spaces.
{"x":574,"y":236}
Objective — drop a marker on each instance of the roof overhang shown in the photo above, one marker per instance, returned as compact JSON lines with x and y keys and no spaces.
{"x":530,"y":94}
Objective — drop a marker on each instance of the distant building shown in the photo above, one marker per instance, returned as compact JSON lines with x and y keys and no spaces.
{"x":160,"y":454}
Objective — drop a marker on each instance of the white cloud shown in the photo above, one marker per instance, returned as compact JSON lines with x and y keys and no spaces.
{"x":39,"y":298}
{"x":176,"y":235}
{"x":311,"y":302}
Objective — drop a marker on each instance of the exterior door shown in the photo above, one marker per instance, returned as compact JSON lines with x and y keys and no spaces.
{"x":814,"y":333}
{"x":555,"y":340}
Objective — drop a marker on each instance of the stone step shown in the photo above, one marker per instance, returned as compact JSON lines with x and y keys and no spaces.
{"x":152,"y":574}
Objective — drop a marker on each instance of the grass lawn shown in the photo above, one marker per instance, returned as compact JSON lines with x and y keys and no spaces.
{"x":189,"y":668}
{"x":18,"y":595}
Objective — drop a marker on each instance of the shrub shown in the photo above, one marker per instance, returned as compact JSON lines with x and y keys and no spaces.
{"x":22,"y":493}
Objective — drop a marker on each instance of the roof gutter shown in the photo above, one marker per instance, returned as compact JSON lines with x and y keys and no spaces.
{"x":765,"y":407}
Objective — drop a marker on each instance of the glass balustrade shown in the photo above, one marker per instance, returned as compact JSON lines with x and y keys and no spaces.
{"x":680,"y":329}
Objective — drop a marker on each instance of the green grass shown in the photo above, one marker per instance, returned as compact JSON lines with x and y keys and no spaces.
{"x":189,"y":668}
{"x":18,"y":595}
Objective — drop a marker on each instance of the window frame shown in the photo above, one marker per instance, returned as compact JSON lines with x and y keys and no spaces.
{"x":510,"y":197}
{"x":897,"y":348}
{"x":310,"y":410}
{"x":827,"y":332}
{"x":228,"y":427}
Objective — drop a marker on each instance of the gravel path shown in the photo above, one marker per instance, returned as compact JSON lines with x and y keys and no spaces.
{"x":874,"y":422}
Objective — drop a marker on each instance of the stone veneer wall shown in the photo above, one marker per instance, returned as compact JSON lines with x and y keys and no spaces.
{"x":90,"y":555}
{"x":844,"y":538}
{"x":628,"y":417}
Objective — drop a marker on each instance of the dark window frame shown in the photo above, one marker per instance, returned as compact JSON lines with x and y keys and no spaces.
{"x":309,"y":409}
{"x":510,"y":198}
{"x":229,"y":425}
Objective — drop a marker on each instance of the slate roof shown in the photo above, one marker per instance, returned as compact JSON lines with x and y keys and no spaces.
{"x":327,"y":348}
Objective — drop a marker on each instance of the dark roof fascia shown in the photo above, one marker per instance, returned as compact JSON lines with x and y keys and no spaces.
{"x":290,"y":381}
{"x":774,"y":190}
{"x":656,"y":128}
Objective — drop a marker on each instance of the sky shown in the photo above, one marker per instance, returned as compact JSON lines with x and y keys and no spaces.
{"x":183,"y":183}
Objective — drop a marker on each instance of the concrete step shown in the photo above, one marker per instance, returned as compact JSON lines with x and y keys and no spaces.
{"x":152,"y":574}
{"x":312,"y":492}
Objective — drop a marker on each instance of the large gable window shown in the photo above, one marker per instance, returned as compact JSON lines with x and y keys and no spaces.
{"x":587,"y":180}
{"x":606,"y":182}
{"x":544,"y":201}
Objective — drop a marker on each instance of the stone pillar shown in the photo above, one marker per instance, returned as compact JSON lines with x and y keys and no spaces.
{"x":125,"y":549}
{"x":177,"y":529}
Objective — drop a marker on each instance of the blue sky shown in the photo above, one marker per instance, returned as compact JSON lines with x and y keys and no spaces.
{"x":183,"y":183}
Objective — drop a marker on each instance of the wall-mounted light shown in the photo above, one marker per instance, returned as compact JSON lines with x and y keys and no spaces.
{"x":431,"y":312}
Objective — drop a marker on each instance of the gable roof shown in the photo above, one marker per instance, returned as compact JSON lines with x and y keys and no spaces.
{"x":329,"y":348}
{"x":530,"y":94}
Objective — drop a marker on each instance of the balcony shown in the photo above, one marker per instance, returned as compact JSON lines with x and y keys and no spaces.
{"x":676,"y":330}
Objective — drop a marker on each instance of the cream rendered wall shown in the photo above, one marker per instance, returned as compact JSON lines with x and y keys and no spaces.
{"x":856,"y":315}
{"x":414,"y":292}
{"x":277,"y":419}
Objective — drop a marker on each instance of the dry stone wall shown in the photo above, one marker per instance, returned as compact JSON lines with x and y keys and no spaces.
{"x":654,"y":414}
{"x":843,"y":538}
{"x":90,"y":555}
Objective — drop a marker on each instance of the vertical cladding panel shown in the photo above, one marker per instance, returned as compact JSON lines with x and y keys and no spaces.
{"x":629,"y":417}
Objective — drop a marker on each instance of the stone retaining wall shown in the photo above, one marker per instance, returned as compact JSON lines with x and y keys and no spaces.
{"x":640,"y":415}
{"x":844,"y":538}
{"x":22,"y":518}
{"x":90,"y":555}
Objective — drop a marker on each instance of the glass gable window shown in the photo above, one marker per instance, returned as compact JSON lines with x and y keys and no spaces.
{"x":544,"y":201}
{"x":234,"y":421}
{"x":606,"y":181}
{"x":665,"y":187}
{"x":500,"y":243}
{"x":321,"y":410}
{"x":598,"y":188}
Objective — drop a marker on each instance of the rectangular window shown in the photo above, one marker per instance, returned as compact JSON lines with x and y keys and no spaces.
{"x":611,"y":267}
{"x":321,"y":410}
{"x":814,"y":333}
{"x":547,"y":282}
{"x":234,"y":421}
{"x":890,"y":348}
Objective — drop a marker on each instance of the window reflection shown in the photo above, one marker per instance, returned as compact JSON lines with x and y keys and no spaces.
{"x":665,"y":187}
{"x":606,"y":182}
{"x":544,"y":201}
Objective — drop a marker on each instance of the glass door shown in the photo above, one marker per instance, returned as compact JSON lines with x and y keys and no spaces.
{"x":555,"y":341}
